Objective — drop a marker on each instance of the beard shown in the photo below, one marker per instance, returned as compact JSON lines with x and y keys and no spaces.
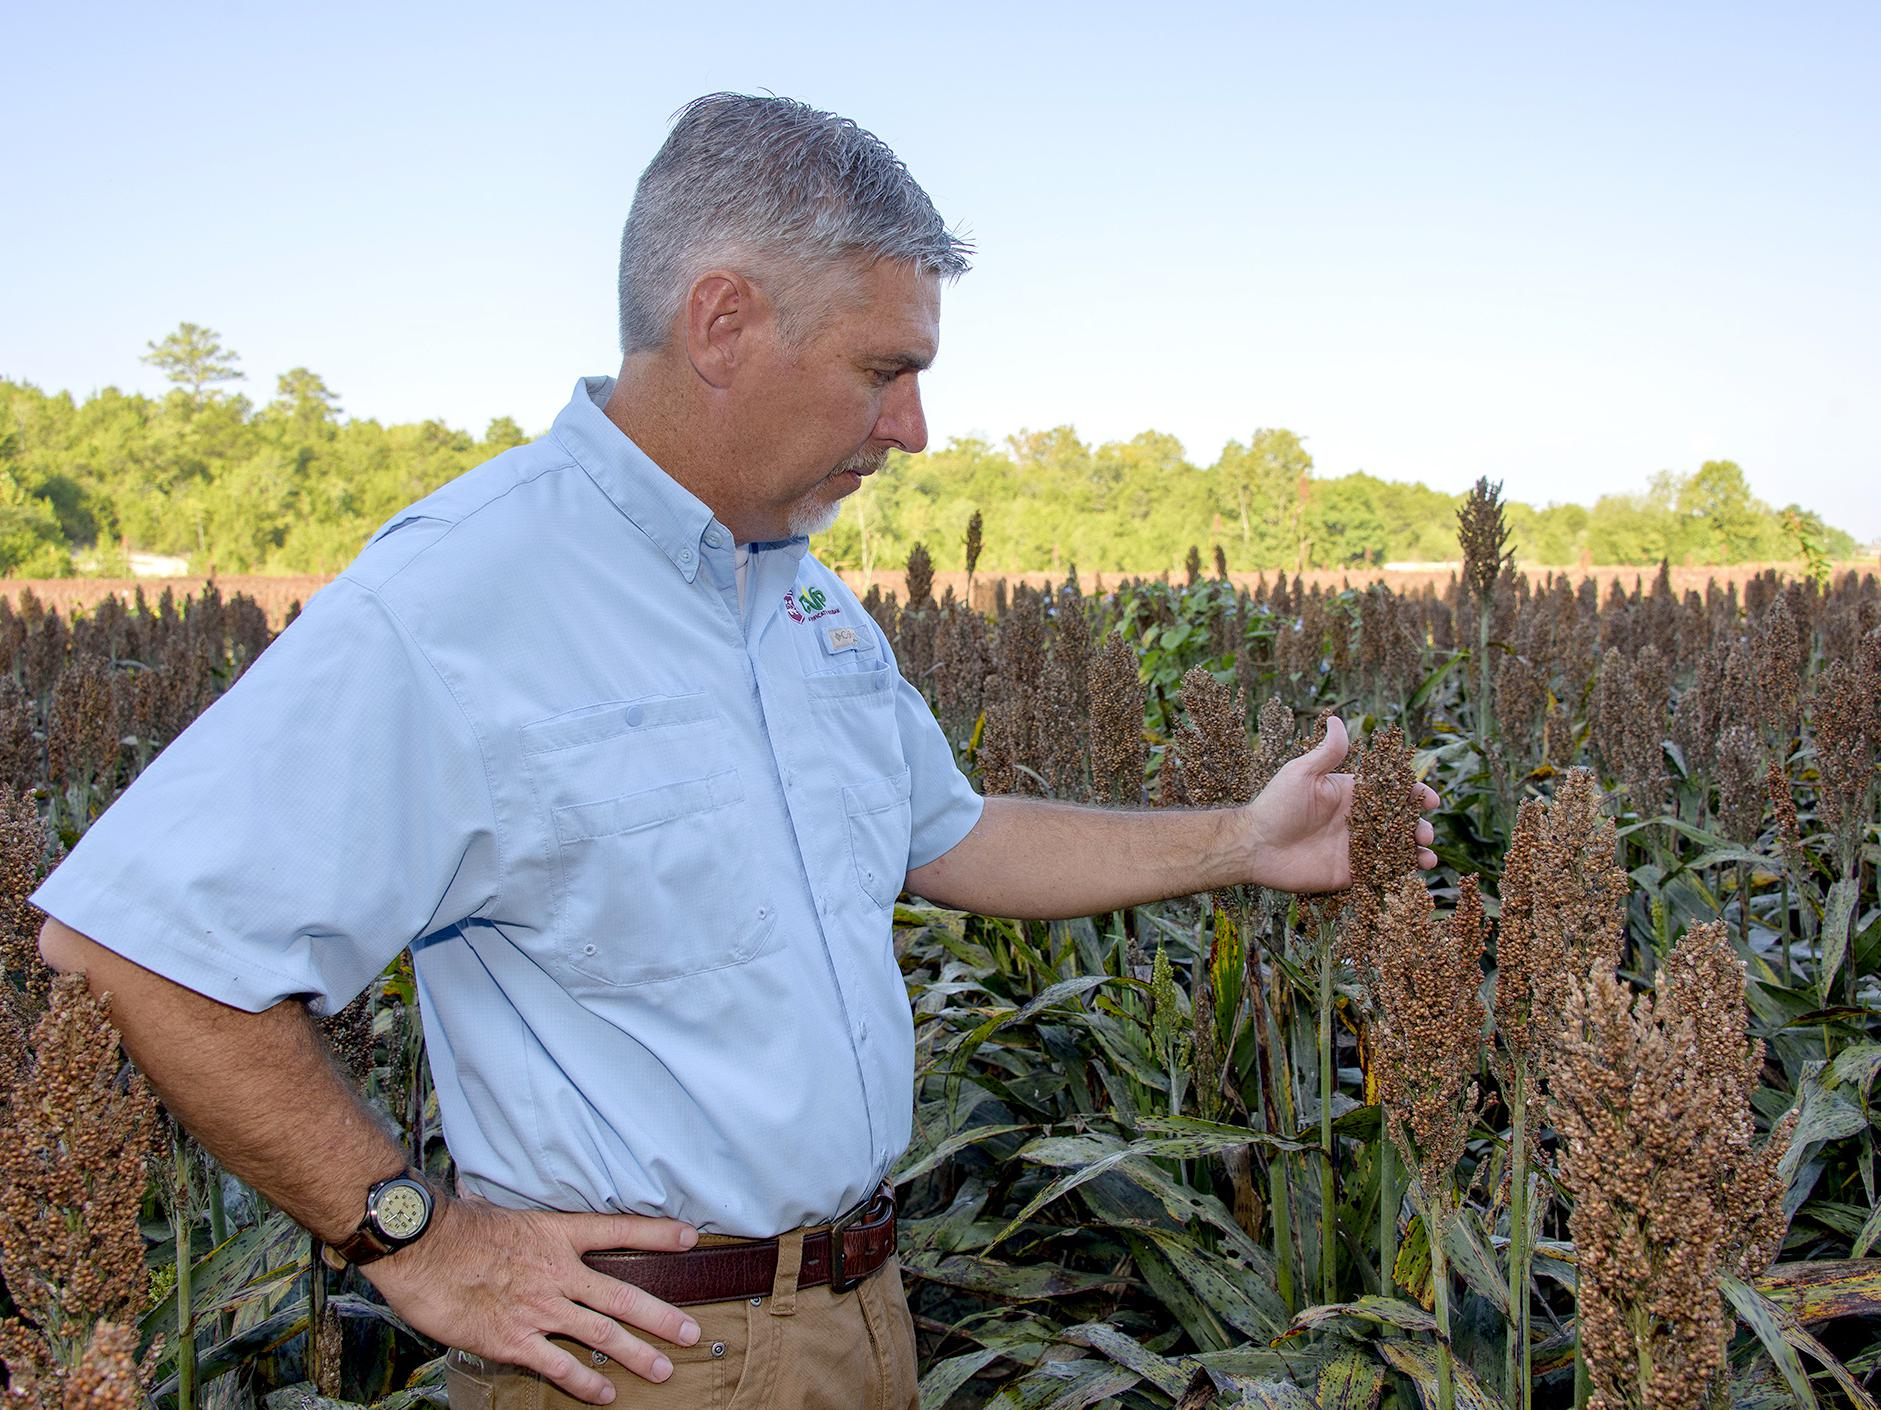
{"x":813,"y":514}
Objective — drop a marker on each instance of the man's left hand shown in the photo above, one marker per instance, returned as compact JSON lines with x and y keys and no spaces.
{"x":1299,"y":822}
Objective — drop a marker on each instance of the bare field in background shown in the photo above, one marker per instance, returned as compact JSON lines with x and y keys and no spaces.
{"x":275,"y":594}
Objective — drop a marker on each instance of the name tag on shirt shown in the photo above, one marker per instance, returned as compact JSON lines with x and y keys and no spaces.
{"x":839,"y":639}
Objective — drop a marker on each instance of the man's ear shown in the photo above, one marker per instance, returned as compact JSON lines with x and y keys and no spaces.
{"x":717,"y":322}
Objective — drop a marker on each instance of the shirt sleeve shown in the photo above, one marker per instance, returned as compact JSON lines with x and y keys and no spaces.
{"x":943,"y":802}
{"x":328,"y":809}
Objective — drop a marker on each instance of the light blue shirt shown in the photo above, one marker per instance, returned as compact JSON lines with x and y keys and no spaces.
{"x":645,"y":855}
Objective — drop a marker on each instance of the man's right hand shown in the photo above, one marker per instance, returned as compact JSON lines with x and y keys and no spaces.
{"x":499,"y":1282}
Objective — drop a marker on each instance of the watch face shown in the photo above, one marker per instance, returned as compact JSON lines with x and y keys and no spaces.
{"x":401,"y":1209}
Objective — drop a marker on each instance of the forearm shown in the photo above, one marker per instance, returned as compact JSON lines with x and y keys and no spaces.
{"x":1031,"y":859}
{"x":260,"y":1091}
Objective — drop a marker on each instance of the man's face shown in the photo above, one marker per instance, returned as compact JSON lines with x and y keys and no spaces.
{"x":827,"y":411}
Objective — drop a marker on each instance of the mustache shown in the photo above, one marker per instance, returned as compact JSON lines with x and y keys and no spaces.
{"x":864,"y":462}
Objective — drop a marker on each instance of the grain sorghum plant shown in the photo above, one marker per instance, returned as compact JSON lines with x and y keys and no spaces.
{"x":1650,"y":1098}
{"x":1563,"y":898}
{"x":1702,"y":981}
{"x":1210,"y":752}
{"x":1740,"y":792}
{"x":1483,"y":533}
{"x":21,"y":758}
{"x":920,"y":578}
{"x":107,"y":1376}
{"x":975,"y":541}
{"x":998,"y":758}
{"x":72,"y":1176}
{"x":45,"y":651}
{"x":1426,"y":980}
{"x":1426,"y":990}
{"x":1192,"y":565}
{"x":1119,"y":751}
{"x":1778,"y":697}
{"x":1383,"y":823}
{"x":1842,"y":713}
{"x":25,"y":849}
{"x":1221,"y":563}
{"x":82,"y":731}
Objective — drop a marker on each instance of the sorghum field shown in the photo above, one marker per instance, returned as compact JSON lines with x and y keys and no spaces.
{"x":1580,"y":1118}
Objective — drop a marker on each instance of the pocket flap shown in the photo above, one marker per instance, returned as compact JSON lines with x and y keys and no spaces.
{"x":868,"y":682}
{"x":648,"y":808}
{"x":878,"y":793}
{"x":617,"y":717}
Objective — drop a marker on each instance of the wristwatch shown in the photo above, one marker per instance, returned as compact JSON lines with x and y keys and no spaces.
{"x":398,"y":1211}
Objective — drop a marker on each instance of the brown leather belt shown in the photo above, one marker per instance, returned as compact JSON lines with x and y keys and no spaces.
{"x":842,"y":1255}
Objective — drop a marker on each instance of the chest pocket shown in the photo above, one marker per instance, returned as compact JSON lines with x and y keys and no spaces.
{"x":642,"y":803}
{"x":853,"y":697}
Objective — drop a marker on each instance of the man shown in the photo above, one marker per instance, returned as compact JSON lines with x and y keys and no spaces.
{"x":638,"y":782}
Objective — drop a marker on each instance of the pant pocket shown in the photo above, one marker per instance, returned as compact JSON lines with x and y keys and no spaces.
{"x":891,"y":1331}
{"x":464,"y":1387}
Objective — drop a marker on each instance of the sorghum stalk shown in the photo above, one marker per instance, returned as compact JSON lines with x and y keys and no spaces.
{"x":1390,"y":1196}
{"x":1279,"y":1179}
{"x":1520,"y":1388}
{"x":1328,"y":1233}
{"x":1440,"y":1297}
{"x":181,"y":1211}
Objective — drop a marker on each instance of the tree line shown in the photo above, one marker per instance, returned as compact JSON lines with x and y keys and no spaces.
{"x":294,"y":486}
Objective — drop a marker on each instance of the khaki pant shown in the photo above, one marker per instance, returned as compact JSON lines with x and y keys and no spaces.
{"x":797,"y":1349}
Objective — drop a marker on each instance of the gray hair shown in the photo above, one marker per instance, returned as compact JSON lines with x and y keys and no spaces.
{"x":776,"y":188}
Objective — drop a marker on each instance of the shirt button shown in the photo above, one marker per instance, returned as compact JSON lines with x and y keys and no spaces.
{"x":685,"y":555}
{"x":587,"y":949}
{"x":712,"y":539}
{"x":636,"y":716}
{"x":763,"y":912}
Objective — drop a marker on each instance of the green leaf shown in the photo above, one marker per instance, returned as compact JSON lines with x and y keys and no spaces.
{"x":1350,"y":1381}
{"x":1167,"y":1374}
{"x":1855,"y":1064}
{"x":1783,"y":1336}
{"x":1065,"y":1385}
{"x":959,"y":1141}
{"x":1869,"y":1232}
{"x":1822,"y":1289}
{"x":244,"y":1266}
{"x":1418,"y":1361}
{"x":1837,"y":909}
{"x":1825,"y":1116}
{"x":1095,"y":1154}
{"x":1248,"y":1305}
{"x":943,"y":1378}
{"x":1011,"y":1282}
{"x":1275,"y":1395}
{"x":1221,"y":1136}
{"x":1381,"y":1311}
{"x":1470,"y":1255}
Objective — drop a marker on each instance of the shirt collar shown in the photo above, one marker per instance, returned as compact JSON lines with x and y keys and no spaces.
{"x":669,"y":514}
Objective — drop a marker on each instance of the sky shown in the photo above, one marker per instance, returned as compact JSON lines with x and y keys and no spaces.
{"x":1562,"y":246}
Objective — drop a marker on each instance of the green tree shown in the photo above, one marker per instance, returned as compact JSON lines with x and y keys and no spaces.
{"x":1257,"y":486}
{"x":1720,"y":520}
{"x":193,"y":357}
{"x":304,"y":400}
{"x":502,"y":434}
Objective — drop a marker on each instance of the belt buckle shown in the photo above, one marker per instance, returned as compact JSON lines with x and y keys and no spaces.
{"x":839,"y":1279}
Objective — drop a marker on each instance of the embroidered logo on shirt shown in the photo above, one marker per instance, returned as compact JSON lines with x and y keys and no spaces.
{"x":807,"y":604}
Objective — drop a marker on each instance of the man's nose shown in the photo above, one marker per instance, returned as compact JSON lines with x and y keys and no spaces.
{"x":902,"y":421}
